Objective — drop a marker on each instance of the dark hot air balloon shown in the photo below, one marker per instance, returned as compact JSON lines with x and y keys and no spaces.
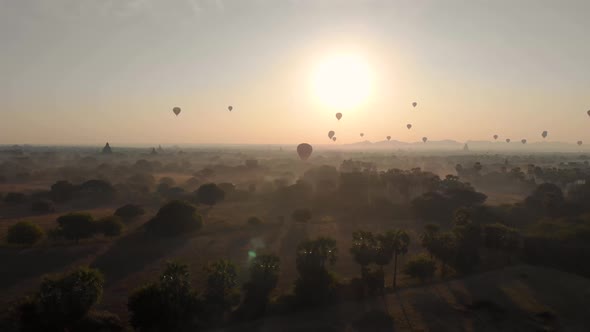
{"x":580,"y":142}
{"x":334,"y":138}
{"x":331,"y":134}
{"x":304,"y":150}
{"x":508,"y":140}
{"x":230,"y":108}
{"x":523,"y":141}
{"x":544,"y":134}
{"x":495,"y":137}
{"x":588,"y":112}
{"x":414,"y":104}
{"x":388,"y":138}
{"x":409,"y":126}
{"x":424,"y":139}
{"x":362,"y":134}
{"x":176,"y":110}
{"x":338,"y":116}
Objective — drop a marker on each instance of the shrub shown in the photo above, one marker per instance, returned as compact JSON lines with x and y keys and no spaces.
{"x":210,"y":194}
{"x":301,"y":215}
{"x":254,"y":221}
{"x":43,"y":206}
{"x":25,"y":233}
{"x":76,"y":226}
{"x":111,"y":226}
{"x":175,"y":218}
{"x":129,"y":212}
{"x":15,"y":198}
{"x":421,"y":267}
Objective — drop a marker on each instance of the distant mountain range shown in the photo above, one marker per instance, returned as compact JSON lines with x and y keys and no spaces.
{"x":481,"y":146}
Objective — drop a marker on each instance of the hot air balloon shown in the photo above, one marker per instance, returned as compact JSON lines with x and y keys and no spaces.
{"x":409,"y":126}
{"x":176,"y":110}
{"x":362,"y":134}
{"x":338,"y":116}
{"x":424,"y":139}
{"x":523,"y":141}
{"x":388,"y":138}
{"x":331,"y":134}
{"x":588,"y":112}
{"x":495,"y":137}
{"x":579,"y":142}
{"x":230,"y":108}
{"x":304,"y":151}
{"x":508,"y":140}
{"x":334,"y":138}
{"x":414,"y":104}
{"x":544,"y":134}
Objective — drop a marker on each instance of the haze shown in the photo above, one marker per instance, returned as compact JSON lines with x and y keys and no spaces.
{"x":87,"y":72}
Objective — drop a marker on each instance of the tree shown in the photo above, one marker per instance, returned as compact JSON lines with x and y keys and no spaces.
{"x":43,"y":206}
{"x":444,"y":248}
{"x":24,"y":233}
{"x":63,"y":301}
{"x":15,"y":198}
{"x":175,"y":218}
{"x":254,"y":221}
{"x":428,"y":237}
{"x":129,"y":212}
{"x":76,"y":226}
{"x":222,"y":293}
{"x":62,"y":191}
{"x":210,"y":194}
{"x":421,"y":267}
{"x":547,"y":198}
{"x":315,"y":284}
{"x":363,"y":250}
{"x":397,"y":241}
{"x":111,"y":226}
{"x":264,"y":276}
{"x":301,"y":215}
{"x":169,"y":304}
{"x":97,"y":191}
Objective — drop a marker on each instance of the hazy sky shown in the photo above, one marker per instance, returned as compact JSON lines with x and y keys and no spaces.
{"x":90,"y":71}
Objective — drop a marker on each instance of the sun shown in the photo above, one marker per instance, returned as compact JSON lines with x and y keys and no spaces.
{"x":342,"y":81}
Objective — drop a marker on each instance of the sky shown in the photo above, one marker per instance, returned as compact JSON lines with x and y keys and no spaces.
{"x":90,"y":71}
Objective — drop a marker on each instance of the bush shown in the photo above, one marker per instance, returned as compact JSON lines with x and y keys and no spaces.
{"x":111,"y":226}
{"x":254,"y":221}
{"x":43,"y":206}
{"x":15,"y":198}
{"x":99,"y":321}
{"x":25,"y":233}
{"x":421,"y":267}
{"x":61,"y":302}
{"x":76,"y":226}
{"x":301,"y":215}
{"x":175,"y":218}
{"x":129,"y":212}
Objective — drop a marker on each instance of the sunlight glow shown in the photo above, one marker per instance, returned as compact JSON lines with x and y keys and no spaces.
{"x":342,"y":81}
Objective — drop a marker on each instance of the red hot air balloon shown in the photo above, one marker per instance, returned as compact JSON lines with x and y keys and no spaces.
{"x":495,"y":137}
{"x":331,"y":134}
{"x":409,"y":126}
{"x":414,"y":104}
{"x":304,"y":150}
{"x":176,"y":110}
{"x":388,"y":138}
{"x":338,"y":116}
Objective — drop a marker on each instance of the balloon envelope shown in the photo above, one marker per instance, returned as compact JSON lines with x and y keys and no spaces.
{"x":414,"y":104}
{"x":230,"y":108}
{"x":338,"y":116}
{"x":495,"y":136}
{"x":362,"y":134}
{"x":331,"y":134}
{"x":588,"y":112}
{"x":579,"y":142}
{"x":544,"y":134}
{"x":304,"y":151}
{"x":424,"y":139}
{"x":508,"y":140}
{"x":334,"y":138}
{"x":523,"y":141}
{"x":388,"y":138}
{"x":176,"y":110}
{"x":409,"y":126}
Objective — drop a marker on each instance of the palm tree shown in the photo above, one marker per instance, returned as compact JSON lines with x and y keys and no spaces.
{"x":397,"y":241}
{"x":429,"y":236}
{"x":363,"y":249}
